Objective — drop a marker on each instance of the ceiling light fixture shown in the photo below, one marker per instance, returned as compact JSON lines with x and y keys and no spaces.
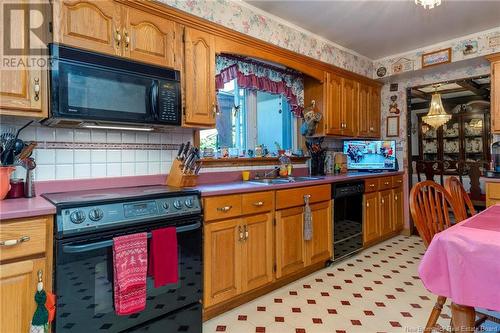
{"x":437,"y":116}
{"x":428,"y":4}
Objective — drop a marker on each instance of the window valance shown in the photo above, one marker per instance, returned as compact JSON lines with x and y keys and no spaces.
{"x":256,"y":75}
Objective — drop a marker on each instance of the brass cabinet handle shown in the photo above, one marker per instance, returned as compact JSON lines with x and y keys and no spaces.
{"x":367,"y":204}
{"x":245,"y":227}
{"x":214,"y":110}
{"x":127,"y":38}
{"x":118,"y":38}
{"x":12,"y":242}
{"x":386,"y":183}
{"x":258,"y":203}
{"x":371,"y":129}
{"x":371,"y":185}
{"x":399,"y":181}
{"x":241,"y":234}
{"x":395,"y":198}
{"x":382,"y":200}
{"x":36,"y":89}
{"x":224,"y":209}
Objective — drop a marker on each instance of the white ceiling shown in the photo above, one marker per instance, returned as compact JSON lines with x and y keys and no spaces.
{"x":377,"y":29}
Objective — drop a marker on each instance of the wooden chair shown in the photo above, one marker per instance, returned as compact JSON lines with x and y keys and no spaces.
{"x":430,"y":169}
{"x":460,"y":198}
{"x":430,"y":207}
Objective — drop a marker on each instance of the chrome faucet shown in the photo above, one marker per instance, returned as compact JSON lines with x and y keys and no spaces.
{"x":269,"y":173}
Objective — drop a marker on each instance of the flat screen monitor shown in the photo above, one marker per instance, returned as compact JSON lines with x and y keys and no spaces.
{"x":370,"y":155}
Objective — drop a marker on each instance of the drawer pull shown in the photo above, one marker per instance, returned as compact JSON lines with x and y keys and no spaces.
{"x":224,"y":209}
{"x":246,"y":231}
{"x":258,"y":203}
{"x":12,"y":242}
{"x":36,"y":89}
{"x":371,"y":185}
{"x":386,"y":183}
{"x":399,"y":181}
{"x":241,"y":234}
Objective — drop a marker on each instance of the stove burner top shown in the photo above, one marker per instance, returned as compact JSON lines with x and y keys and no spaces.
{"x":113,"y":194}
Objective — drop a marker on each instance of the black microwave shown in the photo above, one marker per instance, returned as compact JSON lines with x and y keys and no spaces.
{"x":87,"y":86}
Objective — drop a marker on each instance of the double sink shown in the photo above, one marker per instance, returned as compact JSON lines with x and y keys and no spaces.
{"x":274,"y":181}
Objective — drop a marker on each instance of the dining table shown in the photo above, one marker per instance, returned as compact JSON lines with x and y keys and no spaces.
{"x":462,"y":263}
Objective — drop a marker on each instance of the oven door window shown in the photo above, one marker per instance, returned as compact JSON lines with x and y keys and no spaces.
{"x":84,"y":287}
{"x":101,"y":94}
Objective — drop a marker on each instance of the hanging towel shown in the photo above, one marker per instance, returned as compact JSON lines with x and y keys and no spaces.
{"x":163,"y":261}
{"x":308,"y":228}
{"x":130,"y":266}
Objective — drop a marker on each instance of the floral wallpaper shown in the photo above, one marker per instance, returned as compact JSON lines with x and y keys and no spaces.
{"x":242,"y":17}
{"x":478,"y":44}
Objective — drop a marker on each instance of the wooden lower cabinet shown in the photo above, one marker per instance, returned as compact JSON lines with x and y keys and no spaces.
{"x":319,"y":249}
{"x":238,"y":257}
{"x":290,"y":247}
{"x":18,"y":282}
{"x":371,"y":217}
{"x":492,"y":193}
{"x":382,"y":208}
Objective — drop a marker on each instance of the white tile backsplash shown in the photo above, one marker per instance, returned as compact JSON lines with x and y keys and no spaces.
{"x":78,"y":163}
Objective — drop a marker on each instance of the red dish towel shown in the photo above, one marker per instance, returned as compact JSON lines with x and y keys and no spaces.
{"x":163,"y":262}
{"x":130,"y":266}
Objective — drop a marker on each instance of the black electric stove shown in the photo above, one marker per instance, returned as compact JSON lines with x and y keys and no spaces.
{"x":87,"y":221}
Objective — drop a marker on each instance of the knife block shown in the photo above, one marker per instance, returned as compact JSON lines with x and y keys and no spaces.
{"x":177,"y":179}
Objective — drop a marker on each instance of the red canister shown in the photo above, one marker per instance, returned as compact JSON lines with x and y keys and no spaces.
{"x":16,"y":188}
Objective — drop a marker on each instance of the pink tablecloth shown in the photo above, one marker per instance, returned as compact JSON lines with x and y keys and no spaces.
{"x":463,"y":262}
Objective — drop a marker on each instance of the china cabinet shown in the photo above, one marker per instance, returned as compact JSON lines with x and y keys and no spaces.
{"x":464,"y":138}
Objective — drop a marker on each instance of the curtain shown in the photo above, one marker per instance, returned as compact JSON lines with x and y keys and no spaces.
{"x":260,"y":76}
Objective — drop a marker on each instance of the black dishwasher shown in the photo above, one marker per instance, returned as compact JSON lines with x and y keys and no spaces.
{"x":347,"y":218}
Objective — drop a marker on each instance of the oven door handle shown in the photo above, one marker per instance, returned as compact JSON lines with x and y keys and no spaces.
{"x":108,"y":243}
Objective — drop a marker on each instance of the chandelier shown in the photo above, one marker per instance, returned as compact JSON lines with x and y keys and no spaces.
{"x":437,"y":116}
{"x":428,"y":4}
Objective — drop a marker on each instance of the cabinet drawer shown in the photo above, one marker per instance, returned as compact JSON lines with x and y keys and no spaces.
{"x":384,"y":183}
{"x":371,"y":185}
{"x":27,"y":237}
{"x":222,"y":207}
{"x":295,"y":196}
{"x":257,"y":202}
{"x":397,"y":181}
{"x":492,"y":190}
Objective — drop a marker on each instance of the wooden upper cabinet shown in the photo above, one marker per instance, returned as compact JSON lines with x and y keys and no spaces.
{"x":374,"y":112}
{"x":92,"y":25}
{"x":495,"y":93}
{"x":148,"y":38}
{"x":333,"y":110}
{"x":23,"y":90}
{"x":350,"y":107}
{"x":364,"y":111}
{"x":199,"y":78}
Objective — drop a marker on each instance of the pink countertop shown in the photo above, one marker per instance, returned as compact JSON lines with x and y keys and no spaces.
{"x":490,"y":180}
{"x":208,"y":190}
{"x":19,"y":208}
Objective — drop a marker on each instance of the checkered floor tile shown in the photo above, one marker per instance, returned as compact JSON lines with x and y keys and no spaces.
{"x":375,"y":291}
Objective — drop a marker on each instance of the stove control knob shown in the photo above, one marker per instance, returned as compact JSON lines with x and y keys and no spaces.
{"x":165,"y":205}
{"x":77,"y":217}
{"x":96,"y":214}
{"x":189,"y":203}
{"x":177,"y":204}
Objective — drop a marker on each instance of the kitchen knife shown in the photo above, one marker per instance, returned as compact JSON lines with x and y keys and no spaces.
{"x":197,"y":169}
{"x":181,"y":149}
{"x":192,"y":164}
{"x":188,"y":160}
{"x":186,"y":149}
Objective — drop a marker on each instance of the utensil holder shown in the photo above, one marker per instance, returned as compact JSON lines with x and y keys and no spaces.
{"x":178,"y":179}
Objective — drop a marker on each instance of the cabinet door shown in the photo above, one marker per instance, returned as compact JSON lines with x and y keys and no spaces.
{"x":199,"y":67}
{"x":257,"y":254}
{"x":350,"y":107}
{"x":495,"y":96}
{"x":397,"y":209}
{"x":93,"y":25}
{"x":370,"y":217}
{"x":319,"y":248}
{"x":374,"y":112}
{"x":17,"y":286}
{"x":364,"y":111}
{"x":333,"y":124}
{"x":18,"y":88}
{"x":148,"y":38}
{"x":386,"y":213}
{"x":290,"y":250}
{"x":222,"y":253}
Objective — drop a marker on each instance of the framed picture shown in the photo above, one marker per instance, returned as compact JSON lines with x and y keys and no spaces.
{"x":436,"y":58}
{"x":392,"y":128}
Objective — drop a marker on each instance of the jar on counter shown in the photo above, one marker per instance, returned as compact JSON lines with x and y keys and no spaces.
{"x":16,"y":188}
